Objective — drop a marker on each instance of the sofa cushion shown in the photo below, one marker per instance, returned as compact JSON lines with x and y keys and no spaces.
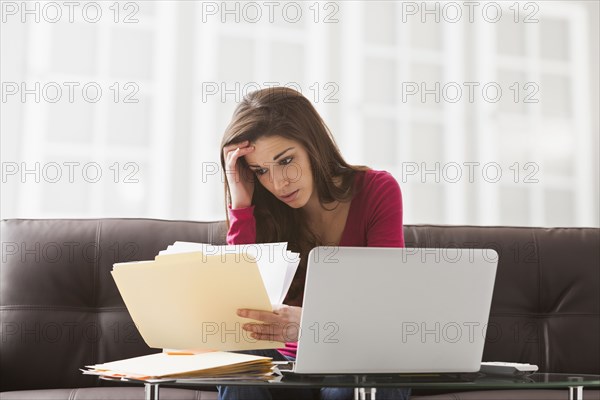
{"x":59,"y":306}
{"x":547,"y":283}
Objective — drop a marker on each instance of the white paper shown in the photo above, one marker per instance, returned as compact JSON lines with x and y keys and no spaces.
{"x":276,"y":264}
{"x":162,"y":364}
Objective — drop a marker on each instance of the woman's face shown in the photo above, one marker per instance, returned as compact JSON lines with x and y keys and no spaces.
{"x":283,"y":167}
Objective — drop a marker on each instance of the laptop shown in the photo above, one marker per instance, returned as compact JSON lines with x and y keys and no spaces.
{"x":395,"y":310}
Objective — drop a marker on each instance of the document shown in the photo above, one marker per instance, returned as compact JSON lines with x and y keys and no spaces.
{"x":276,"y":264}
{"x":187,"y":297}
{"x":186,"y":366}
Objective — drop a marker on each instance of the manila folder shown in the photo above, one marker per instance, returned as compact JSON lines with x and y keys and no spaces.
{"x":189,"y":300}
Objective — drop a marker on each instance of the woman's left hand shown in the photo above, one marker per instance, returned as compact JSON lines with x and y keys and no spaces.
{"x":282,"y":325}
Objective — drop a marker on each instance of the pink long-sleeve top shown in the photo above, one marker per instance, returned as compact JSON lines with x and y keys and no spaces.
{"x":374,"y":220}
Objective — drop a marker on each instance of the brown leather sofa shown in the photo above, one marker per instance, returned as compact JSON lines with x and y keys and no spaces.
{"x":60,"y":309}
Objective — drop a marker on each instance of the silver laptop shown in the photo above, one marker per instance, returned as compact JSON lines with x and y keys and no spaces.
{"x":395,"y":310}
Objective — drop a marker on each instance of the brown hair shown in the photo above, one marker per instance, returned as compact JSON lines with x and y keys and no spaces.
{"x":282,"y":111}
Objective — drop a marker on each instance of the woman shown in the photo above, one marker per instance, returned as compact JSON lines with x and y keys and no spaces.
{"x":287,"y":182}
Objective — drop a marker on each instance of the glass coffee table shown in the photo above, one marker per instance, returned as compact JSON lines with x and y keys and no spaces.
{"x":365,"y":386}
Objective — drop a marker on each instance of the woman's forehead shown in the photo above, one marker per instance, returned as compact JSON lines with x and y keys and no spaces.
{"x":268,"y":148}
{"x":270,"y":142}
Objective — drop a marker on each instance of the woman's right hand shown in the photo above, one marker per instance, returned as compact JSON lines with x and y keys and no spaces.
{"x":239,"y":177}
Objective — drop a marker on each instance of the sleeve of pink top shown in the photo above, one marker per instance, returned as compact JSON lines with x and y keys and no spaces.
{"x":242,"y":226}
{"x":384,"y":227}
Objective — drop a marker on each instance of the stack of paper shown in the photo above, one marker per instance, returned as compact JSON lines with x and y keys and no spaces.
{"x":163,"y":366}
{"x":187,"y":297}
{"x":276,"y":264}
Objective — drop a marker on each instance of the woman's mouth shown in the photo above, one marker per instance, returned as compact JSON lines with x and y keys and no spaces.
{"x":290,"y":197}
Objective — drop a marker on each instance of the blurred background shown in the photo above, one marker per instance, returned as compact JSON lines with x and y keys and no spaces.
{"x":485,"y":112}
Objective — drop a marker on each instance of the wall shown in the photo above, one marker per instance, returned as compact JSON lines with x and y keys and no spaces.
{"x":384,"y":75}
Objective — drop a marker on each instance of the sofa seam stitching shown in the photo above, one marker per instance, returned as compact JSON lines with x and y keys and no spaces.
{"x":28,"y":307}
{"x":95,"y":349}
{"x":542,"y":345}
{"x":62,"y":308}
{"x":520,"y":227}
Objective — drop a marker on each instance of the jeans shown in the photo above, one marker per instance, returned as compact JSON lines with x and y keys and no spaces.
{"x":330,"y":393}
{"x":381,"y":394}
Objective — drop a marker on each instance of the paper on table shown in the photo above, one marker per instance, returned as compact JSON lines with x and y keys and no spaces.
{"x":163,"y":365}
{"x":189,"y":300}
{"x":276,"y":264}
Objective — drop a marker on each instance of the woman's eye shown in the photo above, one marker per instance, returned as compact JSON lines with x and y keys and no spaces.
{"x":285,"y":161}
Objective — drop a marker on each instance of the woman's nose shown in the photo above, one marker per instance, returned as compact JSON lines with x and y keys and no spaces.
{"x":280,"y":180}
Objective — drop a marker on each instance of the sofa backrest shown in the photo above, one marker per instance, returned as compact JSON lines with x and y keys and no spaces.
{"x":546,"y":302}
{"x":60,"y":309}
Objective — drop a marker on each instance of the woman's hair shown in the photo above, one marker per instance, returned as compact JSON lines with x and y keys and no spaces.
{"x":284,"y":112}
